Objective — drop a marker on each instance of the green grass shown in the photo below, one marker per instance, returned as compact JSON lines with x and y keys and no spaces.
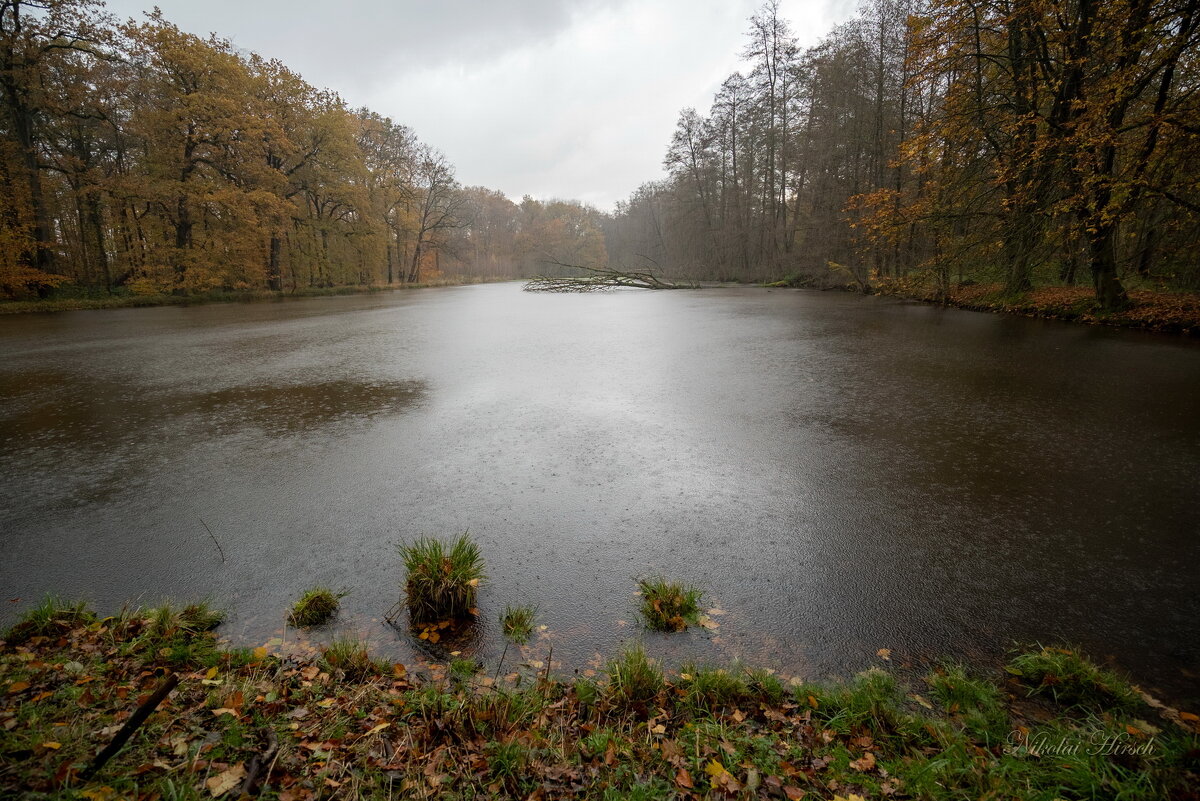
{"x":350,"y":727}
{"x":517,"y":623}
{"x":351,"y":659}
{"x":709,"y":689}
{"x":50,"y":616}
{"x":464,"y":669}
{"x":667,"y":605}
{"x":974,"y":702}
{"x":633,"y":678}
{"x":1071,"y":679}
{"x":441,"y":579}
{"x":315,"y":606}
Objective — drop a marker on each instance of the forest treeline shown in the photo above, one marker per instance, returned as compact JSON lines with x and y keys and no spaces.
{"x":924,"y":143}
{"x":936,"y":142}
{"x":136,"y":156}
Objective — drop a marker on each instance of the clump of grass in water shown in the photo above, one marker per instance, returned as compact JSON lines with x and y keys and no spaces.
{"x":1072,"y":680}
{"x":667,"y":605}
{"x":517,"y":623}
{"x":315,"y":607}
{"x":440,"y":581}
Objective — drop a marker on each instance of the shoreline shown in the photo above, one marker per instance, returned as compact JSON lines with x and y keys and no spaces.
{"x":257,"y":296}
{"x":1047,"y":724}
{"x":1149,"y":310}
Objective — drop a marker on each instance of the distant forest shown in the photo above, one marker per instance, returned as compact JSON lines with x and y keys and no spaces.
{"x":921,"y":143}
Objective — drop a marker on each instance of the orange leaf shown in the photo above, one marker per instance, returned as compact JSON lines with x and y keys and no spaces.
{"x":224,"y":782}
{"x":684,"y":779}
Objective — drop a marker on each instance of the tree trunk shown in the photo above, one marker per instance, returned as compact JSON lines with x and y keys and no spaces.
{"x":274,"y":276}
{"x":1102,"y":255}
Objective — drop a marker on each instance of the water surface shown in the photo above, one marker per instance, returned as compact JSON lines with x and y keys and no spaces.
{"x":841,"y":474}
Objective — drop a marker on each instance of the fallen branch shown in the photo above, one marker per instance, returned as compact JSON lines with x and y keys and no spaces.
{"x":260,"y":766}
{"x":600,"y":279}
{"x":131,"y":725}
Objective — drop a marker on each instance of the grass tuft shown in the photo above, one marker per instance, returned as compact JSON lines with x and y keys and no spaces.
{"x":975,"y":702}
{"x":707,"y":689}
{"x":53,"y":615}
{"x":633,"y":678}
{"x":667,"y":605}
{"x":316,"y":606}
{"x":517,"y":623}
{"x":1072,"y":680}
{"x":441,"y":581}
{"x":351,"y":658}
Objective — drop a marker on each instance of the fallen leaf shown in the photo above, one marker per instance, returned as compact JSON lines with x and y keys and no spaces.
{"x":708,"y":623}
{"x":884,"y":653}
{"x":224,"y":782}
{"x":18,"y":686}
{"x":867,"y":762}
{"x":326,"y":703}
{"x":377,"y":729}
{"x":260,"y":652}
{"x":99,"y":794}
{"x":225,"y":711}
{"x":920,"y":701}
{"x":794,"y":793}
{"x":52,"y":745}
{"x":684,"y":779}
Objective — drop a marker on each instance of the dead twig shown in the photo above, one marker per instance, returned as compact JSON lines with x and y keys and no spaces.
{"x":220,"y":550}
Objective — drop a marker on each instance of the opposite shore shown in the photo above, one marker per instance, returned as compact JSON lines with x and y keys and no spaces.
{"x":1148,"y":309}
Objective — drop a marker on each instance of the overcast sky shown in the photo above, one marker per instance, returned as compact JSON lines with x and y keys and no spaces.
{"x":552,"y":98}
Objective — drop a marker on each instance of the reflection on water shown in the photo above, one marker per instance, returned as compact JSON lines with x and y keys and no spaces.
{"x":95,"y":435}
{"x":839,"y":473}
{"x":287,"y":409}
{"x":86,"y":413}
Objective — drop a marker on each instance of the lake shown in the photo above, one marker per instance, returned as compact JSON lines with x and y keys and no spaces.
{"x":839,"y":473}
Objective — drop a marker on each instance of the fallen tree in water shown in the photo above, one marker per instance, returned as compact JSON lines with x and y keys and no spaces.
{"x":599,"y":279}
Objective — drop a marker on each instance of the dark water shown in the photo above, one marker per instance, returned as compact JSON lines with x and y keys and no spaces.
{"x":839,"y":473}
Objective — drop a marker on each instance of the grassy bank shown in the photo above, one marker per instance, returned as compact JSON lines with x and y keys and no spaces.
{"x":1149,"y":309}
{"x":243,"y":722}
{"x":128,"y":300}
